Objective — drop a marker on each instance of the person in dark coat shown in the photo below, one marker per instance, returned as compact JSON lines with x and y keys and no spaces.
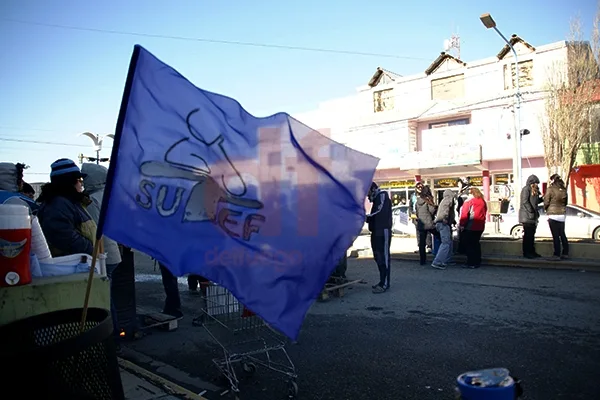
{"x":380,"y":226}
{"x":425,"y":215}
{"x":68,"y":228}
{"x":555,"y":204}
{"x":529,"y":215}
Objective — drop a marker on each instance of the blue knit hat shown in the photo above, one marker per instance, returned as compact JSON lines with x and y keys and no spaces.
{"x":65,"y":168}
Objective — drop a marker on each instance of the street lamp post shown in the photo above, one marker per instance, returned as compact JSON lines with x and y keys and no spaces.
{"x":97,"y":139}
{"x":489,"y":23}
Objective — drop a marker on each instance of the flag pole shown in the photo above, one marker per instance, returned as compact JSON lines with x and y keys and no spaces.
{"x":98,"y":247}
{"x":110,"y":176}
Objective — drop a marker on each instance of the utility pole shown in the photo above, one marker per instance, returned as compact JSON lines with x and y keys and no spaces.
{"x":489,"y":23}
{"x":97,"y":139}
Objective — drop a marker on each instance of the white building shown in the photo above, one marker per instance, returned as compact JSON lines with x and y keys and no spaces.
{"x":455,"y":119}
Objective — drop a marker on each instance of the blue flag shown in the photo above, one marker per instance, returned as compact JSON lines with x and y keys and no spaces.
{"x":265,"y":207}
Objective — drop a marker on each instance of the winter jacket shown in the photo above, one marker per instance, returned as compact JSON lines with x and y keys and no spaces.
{"x":446,"y":209}
{"x":473,"y":214}
{"x":94,"y":184}
{"x":528,"y":211}
{"x":380,"y":217}
{"x":68,"y":228}
{"x":9,"y":191}
{"x":556,"y":200}
{"x":425,"y":215}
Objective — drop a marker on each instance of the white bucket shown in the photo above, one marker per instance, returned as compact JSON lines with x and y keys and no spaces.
{"x":39,"y":245}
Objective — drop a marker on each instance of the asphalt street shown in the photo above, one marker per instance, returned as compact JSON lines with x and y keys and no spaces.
{"x":413,"y":341}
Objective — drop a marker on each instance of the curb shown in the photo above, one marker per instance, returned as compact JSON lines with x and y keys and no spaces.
{"x":542,"y":263}
{"x":163,"y":383}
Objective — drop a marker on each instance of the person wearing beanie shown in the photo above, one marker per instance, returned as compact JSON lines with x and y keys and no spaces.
{"x":68,"y":228}
{"x":11,"y":186}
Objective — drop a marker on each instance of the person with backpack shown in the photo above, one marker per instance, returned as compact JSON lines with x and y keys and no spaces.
{"x":555,"y":204}
{"x":445,"y":219}
{"x":425,"y":216}
{"x":413,"y":215}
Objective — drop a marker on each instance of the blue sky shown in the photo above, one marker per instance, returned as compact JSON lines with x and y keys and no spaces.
{"x":57,"y":82}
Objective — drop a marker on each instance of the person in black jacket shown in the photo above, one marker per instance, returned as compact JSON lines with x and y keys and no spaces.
{"x":529,"y":215}
{"x":380,"y":226}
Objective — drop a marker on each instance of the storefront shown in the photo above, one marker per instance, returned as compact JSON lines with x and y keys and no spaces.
{"x":399,"y":191}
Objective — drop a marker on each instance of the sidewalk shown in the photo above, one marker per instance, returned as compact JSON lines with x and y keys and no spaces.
{"x":141,"y":384}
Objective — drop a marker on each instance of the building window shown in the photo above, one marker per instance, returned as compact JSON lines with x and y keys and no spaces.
{"x":463,"y":121}
{"x":383,"y":100}
{"x":525,"y":75}
{"x":594,"y":136}
{"x":448,"y":88}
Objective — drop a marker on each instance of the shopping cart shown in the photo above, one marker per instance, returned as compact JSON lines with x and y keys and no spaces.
{"x":244,"y":338}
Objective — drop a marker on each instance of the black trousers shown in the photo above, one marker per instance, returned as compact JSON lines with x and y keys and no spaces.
{"x":472,"y":246}
{"x":529,"y":239}
{"x":428,"y":239}
{"x":172,"y":300}
{"x":559,"y":237}
{"x":380,"y":244}
{"x":424,"y":235}
{"x":462,"y":242}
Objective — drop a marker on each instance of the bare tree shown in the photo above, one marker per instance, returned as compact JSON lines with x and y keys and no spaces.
{"x":571,"y":90}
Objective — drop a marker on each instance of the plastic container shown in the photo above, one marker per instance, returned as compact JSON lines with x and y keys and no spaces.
{"x":487,"y":384}
{"x":39,"y":245}
{"x":15,"y":245}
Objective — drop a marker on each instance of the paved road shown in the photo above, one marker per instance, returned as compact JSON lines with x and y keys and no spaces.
{"x":412,"y":342}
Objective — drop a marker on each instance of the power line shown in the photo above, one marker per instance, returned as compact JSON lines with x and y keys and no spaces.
{"x":215,"y":41}
{"x":43,"y":142}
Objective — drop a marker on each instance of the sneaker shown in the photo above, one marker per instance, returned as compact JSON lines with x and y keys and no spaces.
{"x":379,"y":289}
{"x":529,"y":256}
{"x":438,"y":266}
{"x":565,"y":257}
{"x":536,"y":255}
{"x":555,"y":258}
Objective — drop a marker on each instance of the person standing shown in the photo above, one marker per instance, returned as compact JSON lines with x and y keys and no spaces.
{"x":555,"y":204}
{"x":529,"y":215}
{"x":425,"y":214}
{"x":444,"y":221}
{"x":462,"y":196}
{"x":413,"y":215}
{"x":472,"y":224}
{"x":380,"y":226}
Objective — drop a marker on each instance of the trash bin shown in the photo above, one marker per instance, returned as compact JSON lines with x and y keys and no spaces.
{"x":45,"y":357}
{"x":487,"y":384}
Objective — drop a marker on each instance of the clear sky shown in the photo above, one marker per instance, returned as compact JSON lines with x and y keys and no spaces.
{"x":62,"y":70}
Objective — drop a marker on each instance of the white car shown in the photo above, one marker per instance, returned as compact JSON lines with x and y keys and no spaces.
{"x":580,"y":223}
{"x":401,"y":222}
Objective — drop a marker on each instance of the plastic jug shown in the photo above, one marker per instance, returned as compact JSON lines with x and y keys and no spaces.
{"x":15,"y":245}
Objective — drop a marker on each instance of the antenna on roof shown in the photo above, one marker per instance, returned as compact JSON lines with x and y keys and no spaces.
{"x":452,"y":45}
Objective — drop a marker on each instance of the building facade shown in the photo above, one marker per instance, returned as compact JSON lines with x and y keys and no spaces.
{"x":454,"y":119}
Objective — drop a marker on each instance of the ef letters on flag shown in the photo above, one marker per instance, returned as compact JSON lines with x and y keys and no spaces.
{"x":265,"y":207}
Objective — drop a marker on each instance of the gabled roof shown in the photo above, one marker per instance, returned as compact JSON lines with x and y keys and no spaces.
{"x":514,"y":39}
{"x":380,"y":73}
{"x":438,"y":61}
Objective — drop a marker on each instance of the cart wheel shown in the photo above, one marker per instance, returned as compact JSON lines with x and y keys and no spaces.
{"x":249,"y":368}
{"x":292,"y":390}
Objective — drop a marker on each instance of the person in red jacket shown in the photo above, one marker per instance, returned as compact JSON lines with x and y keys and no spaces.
{"x":473,"y":215}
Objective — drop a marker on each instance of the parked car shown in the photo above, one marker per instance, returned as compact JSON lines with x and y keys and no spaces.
{"x":580,"y":223}
{"x":401,"y":222}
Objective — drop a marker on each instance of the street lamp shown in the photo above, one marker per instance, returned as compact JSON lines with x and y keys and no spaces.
{"x":489,"y":23}
{"x":97,"y":139}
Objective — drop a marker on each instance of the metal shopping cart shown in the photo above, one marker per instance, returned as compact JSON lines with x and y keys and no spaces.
{"x":244,"y":338}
